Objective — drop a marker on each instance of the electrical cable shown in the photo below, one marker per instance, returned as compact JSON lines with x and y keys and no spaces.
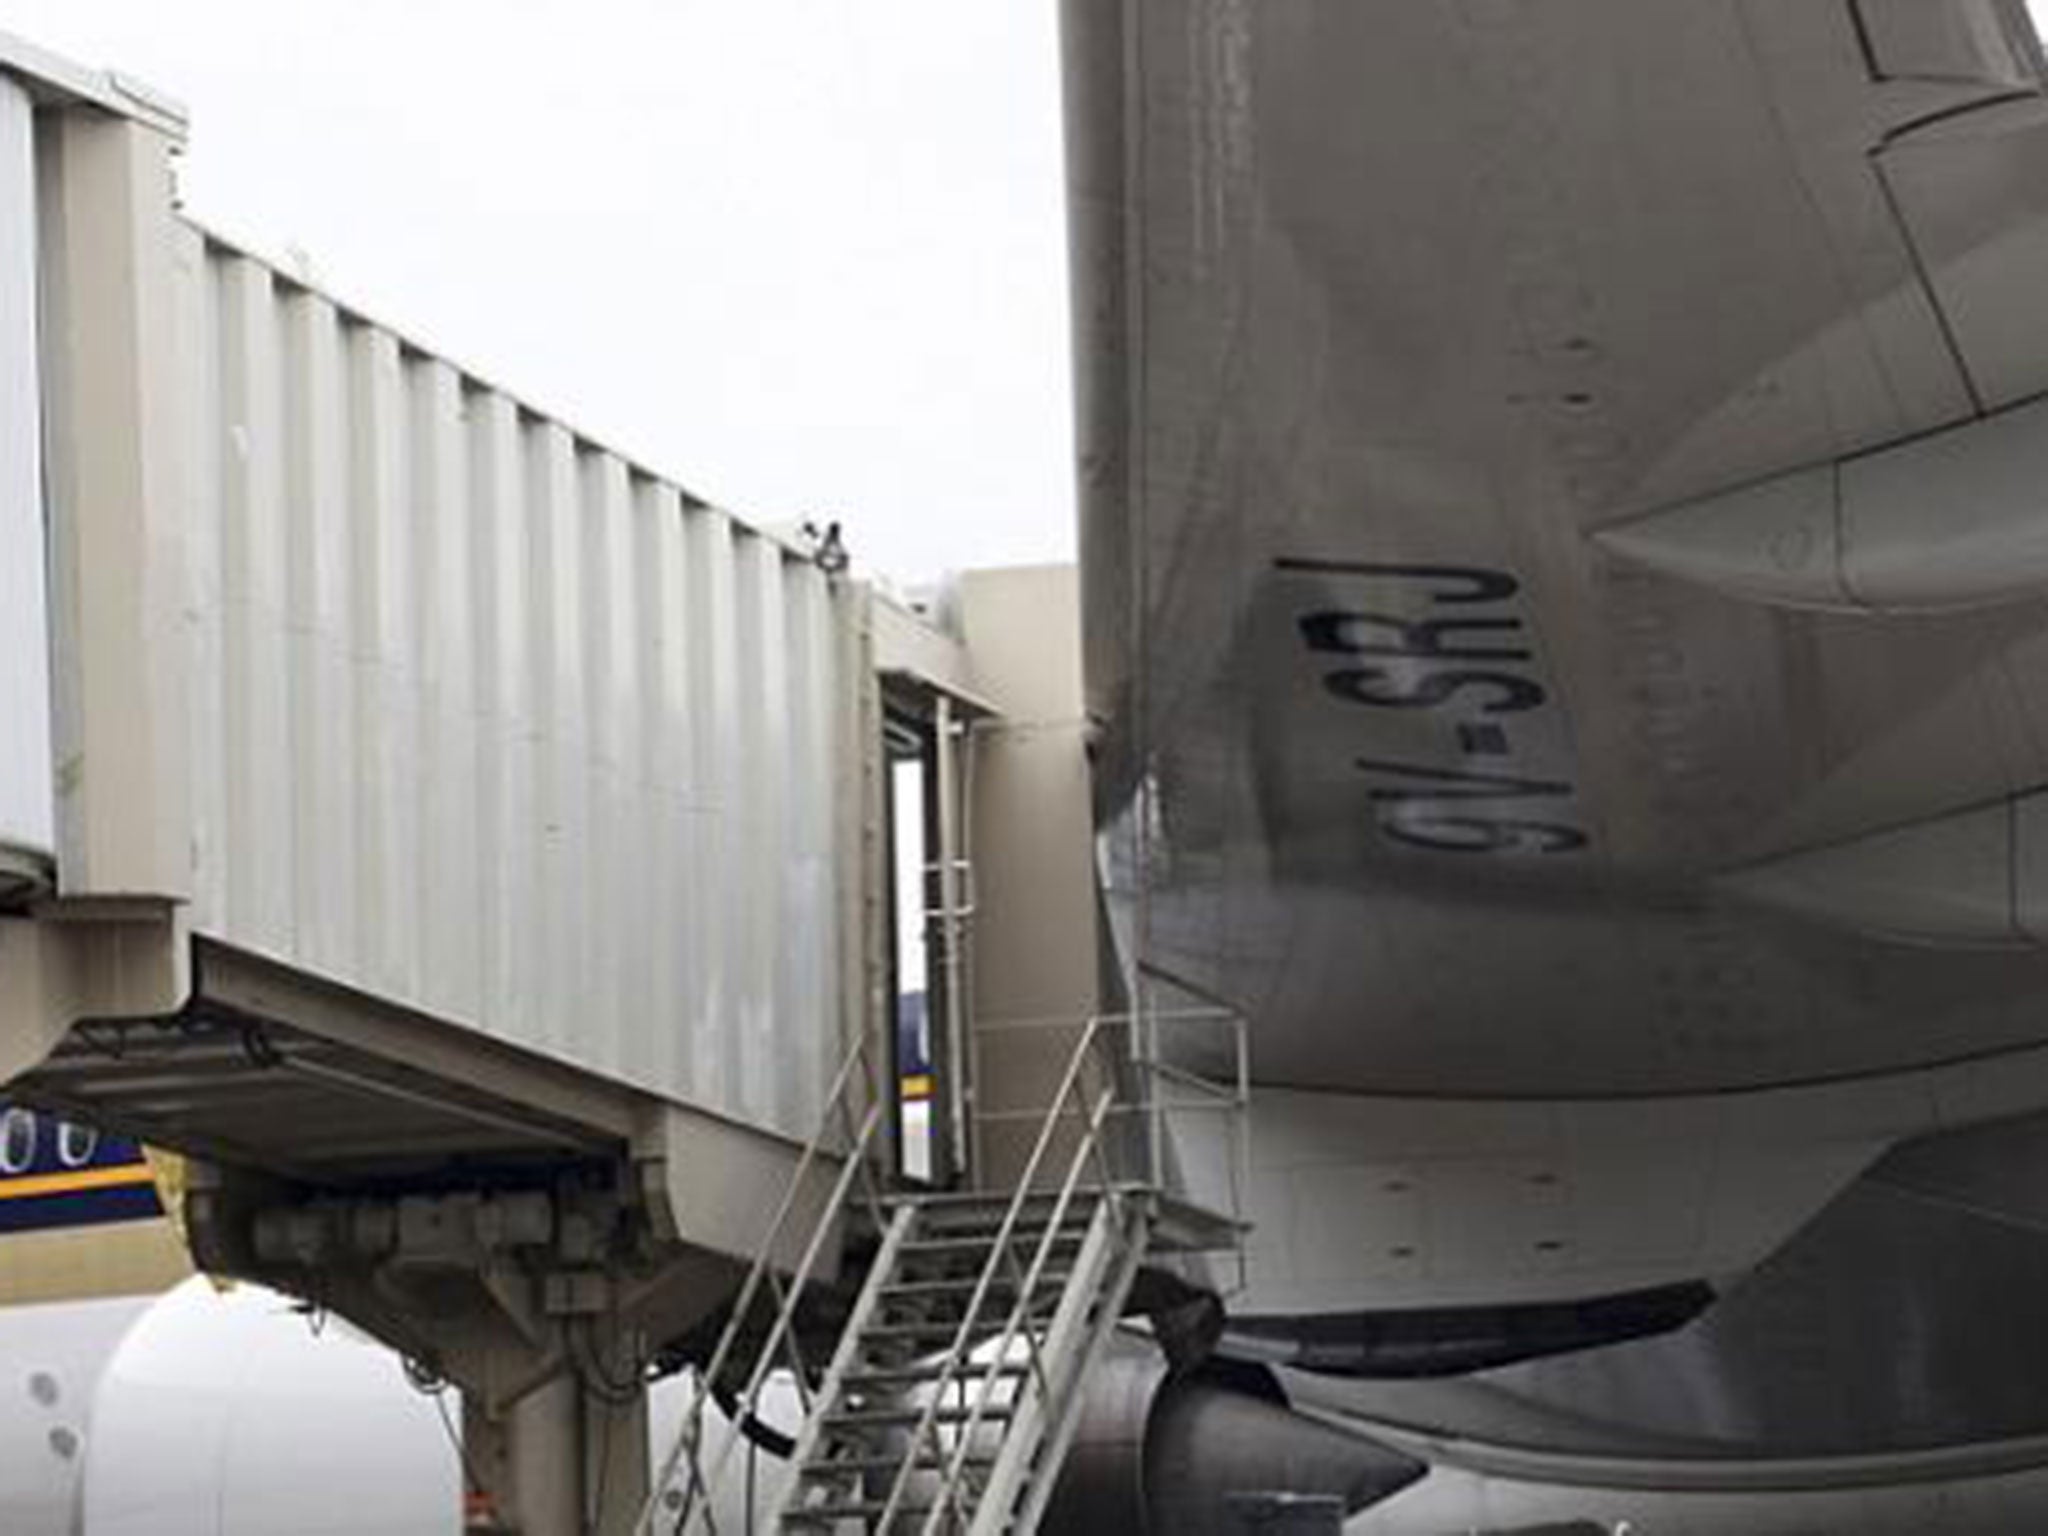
{"x":469,"y":1472}
{"x":430,"y":1383}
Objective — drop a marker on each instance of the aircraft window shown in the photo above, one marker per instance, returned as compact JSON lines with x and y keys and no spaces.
{"x":17,"y":1141}
{"x":76,"y":1144}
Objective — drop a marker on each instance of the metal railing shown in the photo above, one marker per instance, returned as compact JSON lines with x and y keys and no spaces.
{"x":1140,"y":1080}
{"x":779,"y":1346}
{"x":1166,"y":1067}
{"x":972,"y":1323}
{"x":1147,"y":1071}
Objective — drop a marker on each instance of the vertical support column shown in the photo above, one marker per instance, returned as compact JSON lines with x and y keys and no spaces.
{"x":545,"y":1460}
{"x":948,"y":860}
{"x":529,"y":1458}
{"x":28,"y":831}
{"x":616,"y":1470}
{"x":564,"y":1460}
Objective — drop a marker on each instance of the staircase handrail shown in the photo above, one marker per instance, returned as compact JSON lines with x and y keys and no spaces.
{"x":1020,"y":1309}
{"x":964,"y":1335}
{"x":689,"y":1435}
{"x":1151,"y":1098}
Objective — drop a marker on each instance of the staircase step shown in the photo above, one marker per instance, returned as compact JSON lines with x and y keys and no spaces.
{"x":964,"y":1223}
{"x":1022,"y":1244}
{"x":852,"y":1509}
{"x":886,"y":1349}
{"x":907,"y":1418}
{"x":998,"y":1200}
{"x":861,"y":1466}
{"x":1023,"y":1241}
{"x":940,"y":1331}
{"x":922,"y":1338}
{"x":965,"y":1285}
{"x":910,"y":1376}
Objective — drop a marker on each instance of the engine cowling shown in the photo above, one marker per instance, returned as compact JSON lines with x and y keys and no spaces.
{"x":1195,"y":1455}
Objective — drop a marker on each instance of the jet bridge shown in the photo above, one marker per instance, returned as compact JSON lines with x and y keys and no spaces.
{"x":465,"y":843}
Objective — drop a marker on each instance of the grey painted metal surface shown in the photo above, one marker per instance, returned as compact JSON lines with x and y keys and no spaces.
{"x":491,"y":722}
{"x":1380,"y":696}
{"x":27,"y":792}
{"x":1562,"y":565}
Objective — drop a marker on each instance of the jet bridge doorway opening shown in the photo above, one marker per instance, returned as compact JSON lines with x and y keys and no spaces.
{"x":930,"y":908}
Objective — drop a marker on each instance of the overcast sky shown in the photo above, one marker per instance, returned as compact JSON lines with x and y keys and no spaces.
{"x":804,"y":256}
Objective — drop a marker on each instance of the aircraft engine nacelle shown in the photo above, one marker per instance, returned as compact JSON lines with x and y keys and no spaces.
{"x":1205,"y":1454}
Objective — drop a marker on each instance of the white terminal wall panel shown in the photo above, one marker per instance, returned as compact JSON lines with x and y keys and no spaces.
{"x":489,"y":722}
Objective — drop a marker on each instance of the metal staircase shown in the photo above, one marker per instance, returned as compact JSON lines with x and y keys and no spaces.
{"x":956,"y":1383}
{"x":955,"y":1387}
